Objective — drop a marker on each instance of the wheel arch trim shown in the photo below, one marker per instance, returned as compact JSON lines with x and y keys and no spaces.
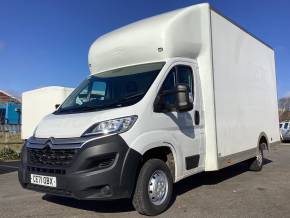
{"x":263,"y":134}
{"x":173,"y":151}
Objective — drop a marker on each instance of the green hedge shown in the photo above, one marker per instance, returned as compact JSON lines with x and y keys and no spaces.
{"x":8,"y":153}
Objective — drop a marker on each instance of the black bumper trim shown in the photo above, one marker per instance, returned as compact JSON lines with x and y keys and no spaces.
{"x":113,"y":178}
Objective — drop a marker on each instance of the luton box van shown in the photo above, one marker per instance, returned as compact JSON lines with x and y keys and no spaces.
{"x":167,"y":97}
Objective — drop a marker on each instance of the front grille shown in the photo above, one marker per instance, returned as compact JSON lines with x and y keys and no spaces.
{"x":45,"y":170}
{"x":51,"y":157}
{"x":44,"y":189}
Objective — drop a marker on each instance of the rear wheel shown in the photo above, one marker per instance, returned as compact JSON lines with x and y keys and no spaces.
{"x":257,"y":163}
{"x":153,"y":189}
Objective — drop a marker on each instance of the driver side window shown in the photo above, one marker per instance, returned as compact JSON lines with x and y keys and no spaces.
{"x":180,"y":74}
{"x":169,"y":84}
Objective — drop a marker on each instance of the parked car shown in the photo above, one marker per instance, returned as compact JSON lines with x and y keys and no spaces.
{"x":285,"y":131}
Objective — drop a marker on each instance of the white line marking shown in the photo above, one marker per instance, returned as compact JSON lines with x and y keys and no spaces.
{"x":11,"y":167}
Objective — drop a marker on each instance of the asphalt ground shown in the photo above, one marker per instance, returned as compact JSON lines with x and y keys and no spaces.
{"x":231,"y":192}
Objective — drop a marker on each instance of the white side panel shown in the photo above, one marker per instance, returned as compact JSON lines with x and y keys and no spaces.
{"x":245,"y":88}
{"x":204,"y":61}
{"x":38,"y":103}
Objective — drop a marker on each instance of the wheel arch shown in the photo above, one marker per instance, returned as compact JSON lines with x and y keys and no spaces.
{"x":165,"y":149}
{"x":263,"y":138}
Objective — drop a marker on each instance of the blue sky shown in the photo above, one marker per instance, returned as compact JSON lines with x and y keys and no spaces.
{"x":45,"y":42}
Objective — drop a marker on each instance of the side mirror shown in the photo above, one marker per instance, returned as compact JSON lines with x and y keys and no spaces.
{"x":56,"y":106}
{"x":183,"y":100}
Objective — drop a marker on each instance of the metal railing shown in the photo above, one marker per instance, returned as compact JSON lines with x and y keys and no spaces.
{"x":10,"y":135}
{"x":10,"y":128}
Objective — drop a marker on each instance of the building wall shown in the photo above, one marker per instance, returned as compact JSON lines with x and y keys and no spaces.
{"x":10,"y":109}
{"x":13,"y":115}
{"x":2,"y":113}
{"x":10,"y":113}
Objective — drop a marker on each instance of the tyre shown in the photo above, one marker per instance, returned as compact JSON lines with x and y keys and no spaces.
{"x":257,"y":163}
{"x":281,"y":138}
{"x":153,"y":189}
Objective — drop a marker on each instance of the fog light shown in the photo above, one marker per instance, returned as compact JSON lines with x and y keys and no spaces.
{"x":106,"y":190}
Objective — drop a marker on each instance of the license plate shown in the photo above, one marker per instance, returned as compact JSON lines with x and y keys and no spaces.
{"x":49,"y":181}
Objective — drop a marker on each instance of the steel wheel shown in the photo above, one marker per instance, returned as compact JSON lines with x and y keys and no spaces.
{"x":154,"y":188}
{"x":259,"y":157}
{"x":158,"y":187}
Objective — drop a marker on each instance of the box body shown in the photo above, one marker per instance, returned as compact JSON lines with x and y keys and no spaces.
{"x":244,"y":88}
{"x":38,"y":103}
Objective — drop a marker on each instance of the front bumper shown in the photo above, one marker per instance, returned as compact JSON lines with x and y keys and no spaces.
{"x":102,"y":168}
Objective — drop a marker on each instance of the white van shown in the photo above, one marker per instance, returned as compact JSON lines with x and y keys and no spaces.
{"x":168,"y":97}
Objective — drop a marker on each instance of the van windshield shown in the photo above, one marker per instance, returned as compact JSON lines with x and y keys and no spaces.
{"x":115,"y":88}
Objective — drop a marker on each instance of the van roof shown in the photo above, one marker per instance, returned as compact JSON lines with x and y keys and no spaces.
{"x":173,"y":34}
{"x":179,"y":33}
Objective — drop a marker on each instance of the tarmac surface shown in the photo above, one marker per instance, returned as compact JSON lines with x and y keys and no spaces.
{"x":231,"y":192}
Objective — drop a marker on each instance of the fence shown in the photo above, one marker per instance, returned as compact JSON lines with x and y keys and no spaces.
{"x":10,"y":136}
{"x":10,"y":129}
{"x":10,"y":133}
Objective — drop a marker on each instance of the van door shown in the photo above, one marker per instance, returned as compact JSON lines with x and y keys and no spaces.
{"x":187,"y":126}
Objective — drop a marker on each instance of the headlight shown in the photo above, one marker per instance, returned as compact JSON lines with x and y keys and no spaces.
{"x":113,"y":126}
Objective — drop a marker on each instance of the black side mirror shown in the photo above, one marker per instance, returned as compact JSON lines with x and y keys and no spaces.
{"x":56,"y":106}
{"x":183,"y":100}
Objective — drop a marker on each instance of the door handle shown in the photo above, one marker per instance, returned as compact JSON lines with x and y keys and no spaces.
{"x":196,"y":118}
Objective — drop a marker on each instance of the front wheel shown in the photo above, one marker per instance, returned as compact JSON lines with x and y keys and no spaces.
{"x":153,"y":189}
